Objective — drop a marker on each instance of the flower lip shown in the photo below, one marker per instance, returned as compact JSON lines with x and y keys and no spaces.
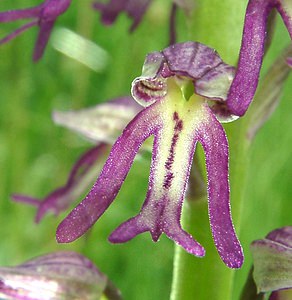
{"x":193,"y":61}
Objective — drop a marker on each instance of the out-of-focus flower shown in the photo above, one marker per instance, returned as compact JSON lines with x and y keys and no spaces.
{"x":252,"y":50}
{"x":273,"y":263}
{"x":43,"y":15}
{"x":59,"y":275}
{"x":136,"y":10}
{"x":183,"y":90}
{"x":289,"y":61}
{"x":101,"y":124}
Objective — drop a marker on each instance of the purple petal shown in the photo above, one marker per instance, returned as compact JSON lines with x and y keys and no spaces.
{"x":289,"y":61}
{"x":273,"y":260}
{"x":251,"y":55}
{"x":111,"y":178}
{"x":161,"y":211}
{"x":282,"y":236}
{"x":17,"y":32}
{"x":150,"y":87}
{"x":51,"y":10}
{"x":252,"y":50}
{"x":82,"y":174}
{"x":190,"y":59}
{"x":103,"y":122}
{"x":215,"y":144}
{"x":216,"y":83}
{"x":135,"y":9}
{"x":42,"y":39}
{"x":285,"y":9}
{"x":13,"y":15}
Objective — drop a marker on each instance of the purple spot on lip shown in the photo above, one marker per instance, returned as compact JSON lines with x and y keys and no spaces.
{"x":178,"y":126}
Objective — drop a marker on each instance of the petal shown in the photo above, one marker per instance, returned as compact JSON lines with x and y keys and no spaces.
{"x":51,"y":10}
{"x":173,"y":152}
{"x":161,"y":210}
{"x":216,"y":83}
{"x":42,"y":39}
{"x":252,"y":50}
{"x":273,"y":260}
{"x":191,"y":59}
{"x":57,"y":275}
{"x":213,"y":139}
{"x":82,"y":174}
{"x":111,"y":178}
{"x":285,"y":9}
{"x":135,"y":9}
{"x":289,"y":62}
{"x":101,"y":123}
{"x":12,"y":15}
{"x":150,"y":87}
{"x":282,"y":236}
{"x":17,"y":32}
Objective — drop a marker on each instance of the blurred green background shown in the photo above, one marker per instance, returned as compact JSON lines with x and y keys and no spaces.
{"x":36,"y":155}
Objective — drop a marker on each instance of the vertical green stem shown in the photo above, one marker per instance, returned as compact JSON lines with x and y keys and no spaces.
{"x":85,"y":23}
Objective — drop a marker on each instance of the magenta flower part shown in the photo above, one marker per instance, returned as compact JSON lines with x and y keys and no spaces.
{"x":61,"y":198}
{"x":289,"y":61}
{"x":182,"y":89}
{"x":135,"y":9}
{"x":252,"y":50}
{"x":43,"y":15}
{"x":59,"y":275}
{"x":273,"y":263}
{"x":102,"y":124}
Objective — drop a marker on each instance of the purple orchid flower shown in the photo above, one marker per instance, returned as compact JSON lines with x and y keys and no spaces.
{"x":59,"y":275}
{"x":183,"y":89}
{"x":43,"y":15}
{"x":252,"y":50}
{"x":101,"y":124}
{"x":136,"y":9}
{"x":273,"y":263}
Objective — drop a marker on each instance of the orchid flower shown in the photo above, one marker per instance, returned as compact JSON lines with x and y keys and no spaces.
{"x":273,"y":263}
{"x":43,"y":15}
{"x":136,"y":9}
{"x":59,"y":275}
{"x":101,"y":124}
{"x":252,"y":50}
{"x":182,"y":89}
